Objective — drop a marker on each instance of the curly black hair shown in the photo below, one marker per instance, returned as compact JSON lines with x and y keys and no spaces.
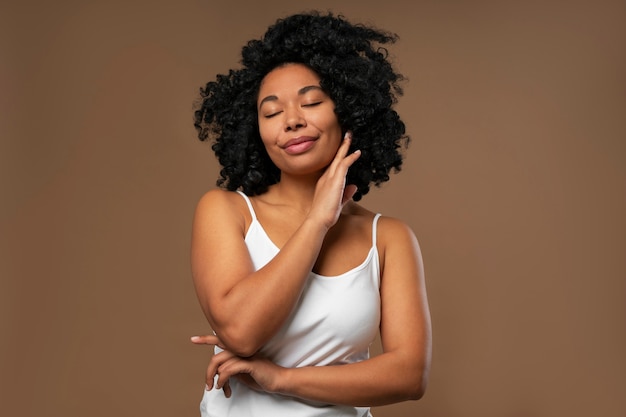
{"x":355,"y":72}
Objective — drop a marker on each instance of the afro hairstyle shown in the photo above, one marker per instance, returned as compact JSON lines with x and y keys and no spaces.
{"x":354,"y":71}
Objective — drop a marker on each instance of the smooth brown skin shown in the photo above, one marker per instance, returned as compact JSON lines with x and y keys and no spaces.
{"x":310,"y":216}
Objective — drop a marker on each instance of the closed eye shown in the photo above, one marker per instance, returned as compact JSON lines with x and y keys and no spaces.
{"x":269,"y":116}
{"x":312,"y":104}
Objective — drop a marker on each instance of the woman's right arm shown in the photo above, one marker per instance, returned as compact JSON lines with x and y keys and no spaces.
{"x":244,"y":307}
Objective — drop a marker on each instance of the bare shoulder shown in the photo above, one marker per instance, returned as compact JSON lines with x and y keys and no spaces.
{"x":221,"y":206}
{"x":218,"y":197}
{"x":389,"y":229}
{"x":393,"y":229}
{"x":397,"y":241}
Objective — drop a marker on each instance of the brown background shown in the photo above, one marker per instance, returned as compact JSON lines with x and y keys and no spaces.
{"x":515,"y":184}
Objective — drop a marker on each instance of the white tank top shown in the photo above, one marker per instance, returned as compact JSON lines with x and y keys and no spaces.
{"x":334,"y":322}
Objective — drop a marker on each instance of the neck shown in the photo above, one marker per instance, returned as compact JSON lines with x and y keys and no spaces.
{"x":296,"y":191}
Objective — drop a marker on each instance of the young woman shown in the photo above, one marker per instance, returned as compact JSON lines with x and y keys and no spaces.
{"x":294,"y":276}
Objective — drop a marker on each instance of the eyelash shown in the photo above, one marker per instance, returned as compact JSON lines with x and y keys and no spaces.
{"x":269,"y":116}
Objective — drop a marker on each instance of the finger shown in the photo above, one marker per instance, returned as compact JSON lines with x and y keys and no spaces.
{"x":351,"y":159}
{"x":345,"y":145}
{"x":214,"y":364}
{"x":227,"y":390}
{"x":209,"y":339}
{"x":231,"y":367}
{"x":341,"y":169}
{"x":342,"y":151}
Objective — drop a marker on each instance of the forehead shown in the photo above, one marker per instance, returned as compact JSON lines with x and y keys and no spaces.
{"x":286,"y":78}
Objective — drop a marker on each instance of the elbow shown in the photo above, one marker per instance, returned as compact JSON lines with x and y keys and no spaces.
{"x":239,"y":343}
{"x":416,"y":385}
{"x":243,"y":351}
{"x":417,"y":391}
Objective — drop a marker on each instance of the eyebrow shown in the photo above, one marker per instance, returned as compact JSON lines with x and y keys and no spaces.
{"x":301,"y":91}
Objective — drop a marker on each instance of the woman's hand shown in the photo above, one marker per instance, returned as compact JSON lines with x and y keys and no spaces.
{"x":331,"y":192}
{"x":256,"y":372}
{"x":211,"y":340}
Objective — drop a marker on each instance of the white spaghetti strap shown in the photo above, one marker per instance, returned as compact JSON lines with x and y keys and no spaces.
{"x":245,"y":197}
{"x":374,"y":229}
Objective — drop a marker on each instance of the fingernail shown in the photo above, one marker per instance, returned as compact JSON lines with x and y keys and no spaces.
{"x":206,"y":387}
{"x":194,"y":338}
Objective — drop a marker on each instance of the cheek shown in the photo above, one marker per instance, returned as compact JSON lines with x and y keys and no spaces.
{"x":328,"y":122}
{"x":265,"y":131}
{"x":334,"y":129}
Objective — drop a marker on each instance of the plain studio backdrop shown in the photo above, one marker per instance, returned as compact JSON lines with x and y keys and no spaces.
{"x":514,"y":182}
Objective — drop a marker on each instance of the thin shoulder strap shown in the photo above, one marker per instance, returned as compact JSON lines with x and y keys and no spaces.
{"x":375,"y":228}
{"x":245,"y":197}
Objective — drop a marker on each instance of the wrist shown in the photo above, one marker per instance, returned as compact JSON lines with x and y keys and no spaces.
{"x":285,"y":382}
{"x":315,"y":224}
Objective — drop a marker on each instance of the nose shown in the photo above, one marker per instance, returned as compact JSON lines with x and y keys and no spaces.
{"x":294,"y":119}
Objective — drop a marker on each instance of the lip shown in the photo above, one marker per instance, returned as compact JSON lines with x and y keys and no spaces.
{"x":299,"y":145}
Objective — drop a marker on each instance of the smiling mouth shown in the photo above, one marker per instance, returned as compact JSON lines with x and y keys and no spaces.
{"x":299,"y":145}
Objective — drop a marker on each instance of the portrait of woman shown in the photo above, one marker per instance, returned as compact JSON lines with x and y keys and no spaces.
{"x":295,"y":277}
{"x":365,"y":209}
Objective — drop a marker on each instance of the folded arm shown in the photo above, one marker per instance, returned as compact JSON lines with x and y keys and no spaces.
{"x":399,"y":373}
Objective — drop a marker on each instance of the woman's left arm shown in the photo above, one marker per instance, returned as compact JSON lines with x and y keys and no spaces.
{"x":399,"y":373}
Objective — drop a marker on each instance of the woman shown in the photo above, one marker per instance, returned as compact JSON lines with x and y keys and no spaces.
{"x":293,"y":275}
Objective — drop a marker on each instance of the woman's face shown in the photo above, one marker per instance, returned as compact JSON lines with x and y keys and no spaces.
{"x":297,"y":120}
